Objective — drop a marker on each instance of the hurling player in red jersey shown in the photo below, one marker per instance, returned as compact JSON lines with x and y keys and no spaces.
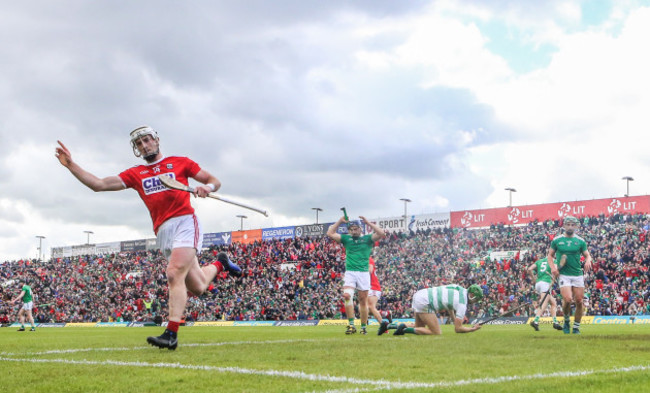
{"x":373,"y":297}
{"x":177,"y":229}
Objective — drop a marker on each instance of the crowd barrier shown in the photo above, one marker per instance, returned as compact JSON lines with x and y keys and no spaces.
{"x":586,"y":320}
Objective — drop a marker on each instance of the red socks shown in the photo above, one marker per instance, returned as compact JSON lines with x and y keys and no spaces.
{"x":218,"y":265}
{"x":173,"y":326}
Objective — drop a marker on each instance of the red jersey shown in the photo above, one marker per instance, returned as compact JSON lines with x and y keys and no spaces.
{"x":163,"y":203}
{"x":374,"y":281}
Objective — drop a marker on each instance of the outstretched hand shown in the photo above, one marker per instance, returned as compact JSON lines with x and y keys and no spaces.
{"x":63,"y":154}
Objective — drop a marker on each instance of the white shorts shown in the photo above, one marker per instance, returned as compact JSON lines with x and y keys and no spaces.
{"x":421,"y":302}
{"x":357,"y":280}
{"x":541,"y":287}
{"x":28,"y":306}
{"x":572,"y":281}
{"x":179,"y":232}
{"x":374,"y":293}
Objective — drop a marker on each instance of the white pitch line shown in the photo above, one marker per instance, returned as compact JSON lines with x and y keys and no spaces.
{"x":108,"y":349}
{"x":379,"y":384}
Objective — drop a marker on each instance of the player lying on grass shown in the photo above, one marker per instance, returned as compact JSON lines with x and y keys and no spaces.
{"x":427,"y":302}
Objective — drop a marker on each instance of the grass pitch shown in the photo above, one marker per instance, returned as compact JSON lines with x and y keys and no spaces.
{"x":323,"y":359}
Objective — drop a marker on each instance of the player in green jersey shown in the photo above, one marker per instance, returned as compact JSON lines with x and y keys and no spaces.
{"x":28,"y":303}
{"x":542,"y":270}
{"x":427,"y":302}
{"x":571,"y":275}
{"x":357,"y":277}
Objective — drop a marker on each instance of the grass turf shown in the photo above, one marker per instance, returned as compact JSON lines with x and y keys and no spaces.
{"x":323,"y":359}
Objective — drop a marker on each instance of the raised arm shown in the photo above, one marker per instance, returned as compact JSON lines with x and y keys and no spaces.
{"x":377,"y":233}
{"x":111,"y":183}
{"x":331,"y":231}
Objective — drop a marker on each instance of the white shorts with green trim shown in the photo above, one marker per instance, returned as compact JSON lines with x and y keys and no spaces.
{"x":572,"y":281}
{"x":357,"y":280}
{"x":541,"y":287}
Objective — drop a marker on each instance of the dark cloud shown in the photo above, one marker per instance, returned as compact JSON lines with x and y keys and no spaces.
{"x":269,"y":96}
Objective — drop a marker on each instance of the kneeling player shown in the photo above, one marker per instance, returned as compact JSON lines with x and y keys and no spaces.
{"x":450,"y":298}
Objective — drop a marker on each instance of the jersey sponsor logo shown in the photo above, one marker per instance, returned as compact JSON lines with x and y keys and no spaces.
{"x":144,"y":172}
{"x":152,"y":185}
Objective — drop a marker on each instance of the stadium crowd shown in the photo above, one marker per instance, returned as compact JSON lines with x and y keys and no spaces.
{"x":301,"y":278}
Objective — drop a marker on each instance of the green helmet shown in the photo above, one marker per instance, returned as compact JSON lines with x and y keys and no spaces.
{"x":476,"y":291}
{"x":571,"y":219}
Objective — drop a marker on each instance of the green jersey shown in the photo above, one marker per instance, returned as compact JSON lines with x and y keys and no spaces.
{"x":543,"y":270}
{"x":357,"y":252}
{"x":27,"y":297}
{"x":572,"y":247}
{"x":448,"y":297}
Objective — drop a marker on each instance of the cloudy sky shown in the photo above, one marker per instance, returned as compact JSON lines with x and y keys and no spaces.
{"x":296,"y":104}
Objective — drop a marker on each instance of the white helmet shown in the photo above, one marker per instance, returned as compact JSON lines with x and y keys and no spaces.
{"x":139,"y":133}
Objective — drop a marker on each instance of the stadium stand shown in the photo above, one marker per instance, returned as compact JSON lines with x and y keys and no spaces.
{"x":299,"y":278}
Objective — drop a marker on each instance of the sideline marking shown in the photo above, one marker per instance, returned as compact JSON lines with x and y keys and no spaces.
{"x":108,"y":349}
{"x":379,"y":384}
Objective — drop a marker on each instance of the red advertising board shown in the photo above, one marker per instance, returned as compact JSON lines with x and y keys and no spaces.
{"x":246,"y":237}
{"x":518,"y":215}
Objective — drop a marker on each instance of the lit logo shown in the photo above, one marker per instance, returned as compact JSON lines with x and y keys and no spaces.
{"x":564,"y":211}
{"x":514,"y":215}
{"x":613,"y":206}
{"x":466,"y":219}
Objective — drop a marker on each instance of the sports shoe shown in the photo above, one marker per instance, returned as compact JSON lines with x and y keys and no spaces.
{"x":535,"y":325}
{"x":566,"y":328}
{"x":22,"y":329}
{"x":32,"y":329}
{"x":350,"y":330}
{"x":228,"y":265}
{"x":383,"y":328}
{"x":576,"y":331}
{"x":165,"y":340}
{"x":400,"y":330}
{"x":364,"y":331}
{"x":557,"y":326}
